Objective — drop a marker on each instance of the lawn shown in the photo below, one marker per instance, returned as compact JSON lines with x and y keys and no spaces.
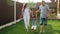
{"x":53,"y":27}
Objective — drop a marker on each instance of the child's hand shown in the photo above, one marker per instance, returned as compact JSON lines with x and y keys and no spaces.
{"x":20,"y":16}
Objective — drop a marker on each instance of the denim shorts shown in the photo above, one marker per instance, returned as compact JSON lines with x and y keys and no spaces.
{"x":43,"y":21}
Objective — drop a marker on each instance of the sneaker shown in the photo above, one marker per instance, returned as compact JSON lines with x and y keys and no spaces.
{"x":34,"y":27}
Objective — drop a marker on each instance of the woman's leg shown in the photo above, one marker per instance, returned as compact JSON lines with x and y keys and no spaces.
{"x":28,"y":20}
{"x":25,"y":21}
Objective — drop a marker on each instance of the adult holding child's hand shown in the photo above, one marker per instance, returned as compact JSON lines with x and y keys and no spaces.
{"x":44,"y":14}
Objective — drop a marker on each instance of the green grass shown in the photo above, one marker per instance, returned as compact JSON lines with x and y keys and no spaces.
{"x":53,"y":27}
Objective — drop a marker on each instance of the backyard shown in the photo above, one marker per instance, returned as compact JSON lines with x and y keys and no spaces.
{"x":53,"y":27}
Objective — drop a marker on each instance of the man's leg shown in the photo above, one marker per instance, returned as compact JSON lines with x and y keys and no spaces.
{"x":44,"y":28}
{"x":41,"y":28}
{"x":41,"y":25}
{"x":45,"y":24}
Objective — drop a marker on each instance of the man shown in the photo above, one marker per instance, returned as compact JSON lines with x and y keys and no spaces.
{"x":44,"y":13}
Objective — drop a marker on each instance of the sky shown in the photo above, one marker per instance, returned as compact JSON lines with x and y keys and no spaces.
{"x":27,"y":1}
{"x":40,"y":0}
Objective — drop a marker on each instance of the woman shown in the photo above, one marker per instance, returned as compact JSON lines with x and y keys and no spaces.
{"x":26,"y":15}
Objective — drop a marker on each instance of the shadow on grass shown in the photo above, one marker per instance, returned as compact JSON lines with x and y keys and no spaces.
{"x":57,"y":31}
{"x":49,"y":30}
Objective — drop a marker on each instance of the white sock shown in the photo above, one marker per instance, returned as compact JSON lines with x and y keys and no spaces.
{"x":34,"y":27}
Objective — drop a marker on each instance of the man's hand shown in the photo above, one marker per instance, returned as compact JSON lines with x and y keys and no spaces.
{"x":48,"y":15}
{"x":48,"y":12}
